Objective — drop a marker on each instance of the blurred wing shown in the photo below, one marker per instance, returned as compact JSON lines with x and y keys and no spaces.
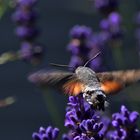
{"x":65,"y":81}
{"x":112,"y":82}
{"x":73,"y":87}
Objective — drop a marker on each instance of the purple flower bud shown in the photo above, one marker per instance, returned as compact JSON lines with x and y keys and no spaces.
{"x":74,"y":47}
{"x":134,"y":116}
{"x":89,"y":125}
{"x":36,"y":136}
{"x":26,"y":3}
{"x":106,"y":6}
{"x":122,"y":133}
{"x":55,"y":133}
{"x":100,"y":126}
{"x":26,"y":51}
{"x":49,"y":131}
{"x":22,"y":17}
{"x":92,"y":138}
{"x":65,"y":137}
{"x":104,"y":24}
{"x":77,"y":138}
{"x":95,"y":127}
{"x":69,"y":123}
{"x":96,"y":64}
{"x":75,"y":62}
{"x":25,"y":32}
{"x":82,"y":126}
{"x":81,"y":32}
{"x":123,"y":109}
{"x":44,"y":137}
{"x":124,"y":122}
{"x":42,"y":130}
{"x":115,"y":123}
{"x":114,"y":19}
{"x":25,"y":17}
{"x":96,"y":117}
{"x":49,"y":134}
{"x":74,"y":118}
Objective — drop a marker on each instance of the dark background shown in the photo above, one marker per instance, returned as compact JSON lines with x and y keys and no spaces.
{"x":34,"y":108}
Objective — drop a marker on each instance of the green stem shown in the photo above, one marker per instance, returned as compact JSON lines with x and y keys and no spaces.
{"x":118,"y":54}
{"x":53,"y":110}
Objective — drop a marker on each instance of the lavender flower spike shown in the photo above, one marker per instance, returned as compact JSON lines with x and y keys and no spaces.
{"x":125,"y":124}
{"x":106,"y":6}
{"x":46,"y":134}
{"x":84,"y":124}
{"x":25,"y":17}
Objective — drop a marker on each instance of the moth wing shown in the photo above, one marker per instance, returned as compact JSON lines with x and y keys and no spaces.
{"x":73,"y":87}
{"x":112,"y":82}
{"x":64,"y":81}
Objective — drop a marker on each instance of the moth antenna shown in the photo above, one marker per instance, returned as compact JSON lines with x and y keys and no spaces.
{"x":92,"y":58}
{"x":59,"y":65}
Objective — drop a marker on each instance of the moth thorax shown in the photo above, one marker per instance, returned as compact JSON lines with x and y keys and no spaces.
{"x":85,"y":73}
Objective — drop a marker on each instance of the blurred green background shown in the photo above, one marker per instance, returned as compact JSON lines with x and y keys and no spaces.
{"x":34,"y":107}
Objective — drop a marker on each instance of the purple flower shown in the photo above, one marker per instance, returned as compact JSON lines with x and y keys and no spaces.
{"x":25,"y":17}
{"x":114,"y":19}
{"x":29,"y":52}
{"x":25,"y":51}
{"x":75,"y":62}
{"x":74,"y":46}
{"x":124,"y":123}
{"x":26,"y":33}
{"x":112,"y":26}
{"x":78,"y":45}
{"x":46,"y":134}
{"x":66,"y":137}
{"x":80,"y":32}
{"x":106,"y":6}
{"x":26,"y":3}
{"x":82,"y":121}
{"x":84,"y":45}
{"x":79,"y":40}
{"x":104,"y":24}
{"x":22,"y":16}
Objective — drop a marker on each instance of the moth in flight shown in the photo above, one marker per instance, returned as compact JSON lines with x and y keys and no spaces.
{"x":94,"y":87}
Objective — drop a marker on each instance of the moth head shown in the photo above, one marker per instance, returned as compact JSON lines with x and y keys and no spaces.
{"x":96,"y":98}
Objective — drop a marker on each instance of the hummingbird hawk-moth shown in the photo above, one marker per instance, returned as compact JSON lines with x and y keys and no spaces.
{"x":93,"y":86}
